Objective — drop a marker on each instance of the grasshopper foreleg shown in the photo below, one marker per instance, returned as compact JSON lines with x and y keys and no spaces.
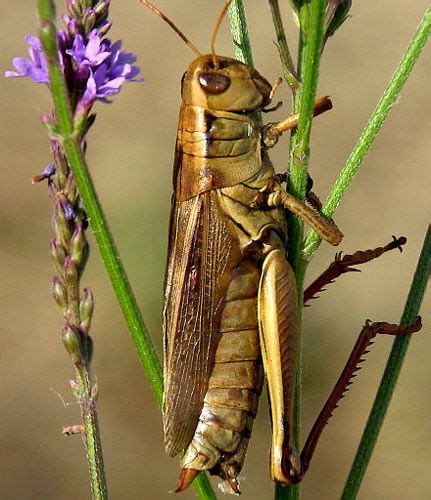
{"x":365,"y":339}
{"x":345,"y":264}
{"x":273,"y":131}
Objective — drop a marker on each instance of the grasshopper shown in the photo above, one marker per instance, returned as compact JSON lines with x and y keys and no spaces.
{"x":230,"y":294}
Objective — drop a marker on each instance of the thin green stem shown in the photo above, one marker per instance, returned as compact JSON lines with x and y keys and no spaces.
{"x":241,"y":38}
{"x":115,"y":269}
{"x":93,"y":444}
{"x":239,"y":30}
{"x":391,"y":373}
{"x":289,"y":72}
{"x":373,"y":126}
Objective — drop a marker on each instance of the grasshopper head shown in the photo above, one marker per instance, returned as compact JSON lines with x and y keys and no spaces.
{"x":228,"y":86}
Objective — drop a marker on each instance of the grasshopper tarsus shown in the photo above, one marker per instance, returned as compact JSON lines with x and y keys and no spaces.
{"x":342,"y":265}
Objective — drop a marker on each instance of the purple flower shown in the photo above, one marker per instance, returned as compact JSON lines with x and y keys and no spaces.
{"x":98,"y":68}
{"x":36,"y":68}
{"x":91,"y":54}
{"x":106,"y":65}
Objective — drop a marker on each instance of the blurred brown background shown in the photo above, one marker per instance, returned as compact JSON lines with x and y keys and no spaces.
{"x":130,"y":154}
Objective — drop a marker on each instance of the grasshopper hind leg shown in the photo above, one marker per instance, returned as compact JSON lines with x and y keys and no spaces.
{"x":277,"y":313}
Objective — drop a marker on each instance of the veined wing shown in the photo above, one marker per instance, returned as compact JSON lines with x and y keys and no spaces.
{"x":202,"y":255}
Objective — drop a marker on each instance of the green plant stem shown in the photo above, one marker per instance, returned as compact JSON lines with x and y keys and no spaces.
{"x":239,"y":31}
{"x":311,"y":17}
{"x":115,"y":269}
{"x":110,"y":256}
{"x":289,"y":72}
{"x":241,"y":39}
{"x":391,"y":373}
{"x":373,"y":126}
{"x":93,"y":444}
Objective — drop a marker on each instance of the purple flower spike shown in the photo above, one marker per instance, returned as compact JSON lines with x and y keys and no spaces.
{"x":36,"y":68}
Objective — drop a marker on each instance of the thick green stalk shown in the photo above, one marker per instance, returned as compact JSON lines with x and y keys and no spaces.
{"x":373,"y":126}
{"x":391,"y":373}
{"x":114,"y":267}
{"x":311,"y":18}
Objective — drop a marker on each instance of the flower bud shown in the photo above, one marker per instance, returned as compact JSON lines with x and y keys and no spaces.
{"x":72,"y":343}
{"x":336,"y":13}
{"x":89,"y":20}
{"x":104,"y":28}
{"x":66,"y":19}
{"x":73,"y":27}
{"x":61,"y":225}
{"x":47,"y":173}
{"x":79,"y":247}
{"x":71,"y":278}
{"x":68,"y":210}
{"x":60,"y":293}
{"x":70,"y":191}
{"x":74,"y":8}
{"x":86,"y":307}
{"x":102,"y":7}
{"x":58,"y":255}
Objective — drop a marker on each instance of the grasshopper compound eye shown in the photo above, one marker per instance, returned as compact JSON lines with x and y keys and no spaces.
{"x":214,"y":83}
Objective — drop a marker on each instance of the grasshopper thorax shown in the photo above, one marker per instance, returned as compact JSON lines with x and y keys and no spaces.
{"x":229,"y":85}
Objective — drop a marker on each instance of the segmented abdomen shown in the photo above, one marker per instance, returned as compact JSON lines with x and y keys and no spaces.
{"x":230,"y":405}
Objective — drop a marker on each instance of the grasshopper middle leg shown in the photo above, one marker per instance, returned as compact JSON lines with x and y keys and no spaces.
{"x":342,"y":265}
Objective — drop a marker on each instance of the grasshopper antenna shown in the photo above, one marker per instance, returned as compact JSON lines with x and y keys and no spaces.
{"x":172,"y":25}
{"x":216,"y":29}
